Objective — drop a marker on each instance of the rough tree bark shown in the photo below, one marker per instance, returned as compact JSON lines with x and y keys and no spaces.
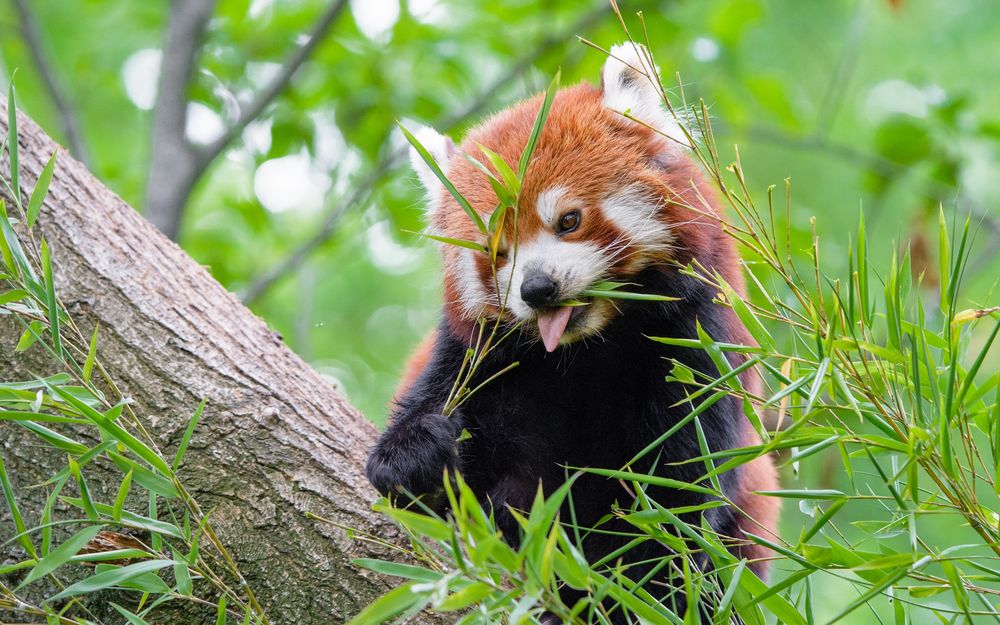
{"x":276,"y":440}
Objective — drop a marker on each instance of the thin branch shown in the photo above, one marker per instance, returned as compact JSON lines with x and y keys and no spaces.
{"x":31,"y":35}
{"x":277,"y":85}
{"x":173,"y":167}
{"x":395,"y":158}
{"x":176,"y":165}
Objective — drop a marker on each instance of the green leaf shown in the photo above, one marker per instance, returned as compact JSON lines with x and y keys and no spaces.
{"x":62,"y":554}
{"x":503,"y":193}
{"x":88,"y":503}
{"x":15,"y":512}
{"x":472,"y":245}
{"x":655,"y":480}
{"x":116,"y":510}
{"x":510,"y":179}
{"x":133,"y":619}
{"x":12,"y":143}
{"x":536,"y":130}
{"x":944,"y":260}
{"x":88,"y":365}
{"x":130,"y":519}
{"x":21,"y":415}
{"x":41,"y":188}
{"x":420,"y":524}
{"x":114,"y":430}
{"x":436,"y":169}
{"x":749,"y":318}
{"x":188,"y":432}
{"x":149,"y":582}
{"x":645,"y":297}
{"x":31,"y":334}
{"x":6,"y":233}
{"x":54,"y":438}
{"x":46,"y":520}
{"x":776,"y":604}
{"x":220,"y":613}
{"x":115,"y":576}
{"x":13,"y":253}
{"x":114,"y":554}
{"x":396,"y":569}
{"x":473,"y":593}
{"x":14,"y":295}
{"x":51,"y":302}
{"x":390,"y":605}
{"x":803,"y":494}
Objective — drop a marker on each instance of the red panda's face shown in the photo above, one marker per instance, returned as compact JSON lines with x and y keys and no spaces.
{"x":595,"y":203}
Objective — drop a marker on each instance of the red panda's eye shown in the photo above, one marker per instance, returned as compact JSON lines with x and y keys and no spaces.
{"x":569,"y":222}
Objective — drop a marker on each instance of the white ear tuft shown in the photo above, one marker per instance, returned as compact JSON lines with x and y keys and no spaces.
{"x":441,"y":148}
{"x":629,"y":80}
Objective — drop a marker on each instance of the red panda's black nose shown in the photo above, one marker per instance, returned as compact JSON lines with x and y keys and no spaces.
{"x":539,"y":291}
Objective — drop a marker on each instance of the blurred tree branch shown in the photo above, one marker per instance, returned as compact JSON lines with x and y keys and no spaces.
{"x":31,"y":35}
{"x":175,"y":164}
{"x":173,"y":167}
{"x":395,"y":158}
{"x":278,"y":84}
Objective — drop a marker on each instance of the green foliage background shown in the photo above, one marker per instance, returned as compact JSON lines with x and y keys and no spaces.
{"x":887,"y":106}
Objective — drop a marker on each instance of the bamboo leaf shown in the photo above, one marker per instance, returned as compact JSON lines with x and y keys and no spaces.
{"x":61,"y":554}
{"x":436,"y":169}
{"x":472,"y":245}
{"x":14,"y":295}
{"x":220,"y":613}
{"x":390,"y":605}
{"x":509,"y":177}
{"x":133,"y":619}
{"x":88,"y":365}
{"x":115,"y":576}
{"x":396,"y":569}
{"x":51,"y":303}
{"x":15,"y":513}
{"x":643,"y":297}
{"x":40,"y":190}
{"x":116,"y":510}
{"x":536,"y":130}
{"x":115,"y":431}
{"x":188,"y":433}
{"x":12,"y":143}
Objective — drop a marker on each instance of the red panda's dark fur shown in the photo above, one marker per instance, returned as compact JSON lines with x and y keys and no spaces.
{"x":596,"y":402}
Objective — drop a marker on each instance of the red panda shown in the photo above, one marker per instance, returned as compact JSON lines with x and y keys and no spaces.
{"x":604,"y":197}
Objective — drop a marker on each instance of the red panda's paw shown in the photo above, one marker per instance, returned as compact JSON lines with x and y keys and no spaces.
{"x":412,"y":456}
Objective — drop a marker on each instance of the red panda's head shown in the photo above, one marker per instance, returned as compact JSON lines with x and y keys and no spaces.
{"x":604,"y":198}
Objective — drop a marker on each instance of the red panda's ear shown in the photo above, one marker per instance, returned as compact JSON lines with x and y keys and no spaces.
{"x":629,"y":82}
{"x":441,"y":149}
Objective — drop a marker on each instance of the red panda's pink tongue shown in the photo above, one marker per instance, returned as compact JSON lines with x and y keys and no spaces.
{"x":552,"y":324}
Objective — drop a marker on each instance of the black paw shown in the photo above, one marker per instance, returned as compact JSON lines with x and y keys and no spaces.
{"x":413,"y":456}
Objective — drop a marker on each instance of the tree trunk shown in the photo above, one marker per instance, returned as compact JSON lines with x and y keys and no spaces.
{"x":276,"y":441}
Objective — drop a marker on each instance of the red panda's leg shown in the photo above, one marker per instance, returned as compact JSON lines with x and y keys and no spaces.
{"x":419,"y":441}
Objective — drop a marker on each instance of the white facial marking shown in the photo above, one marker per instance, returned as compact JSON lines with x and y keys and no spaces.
{"x":547,"y":204}
{"x":635,"y":212}
{"x":574,"y":265}
{"x":629,"y":79}
{"x":471,"y":290}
